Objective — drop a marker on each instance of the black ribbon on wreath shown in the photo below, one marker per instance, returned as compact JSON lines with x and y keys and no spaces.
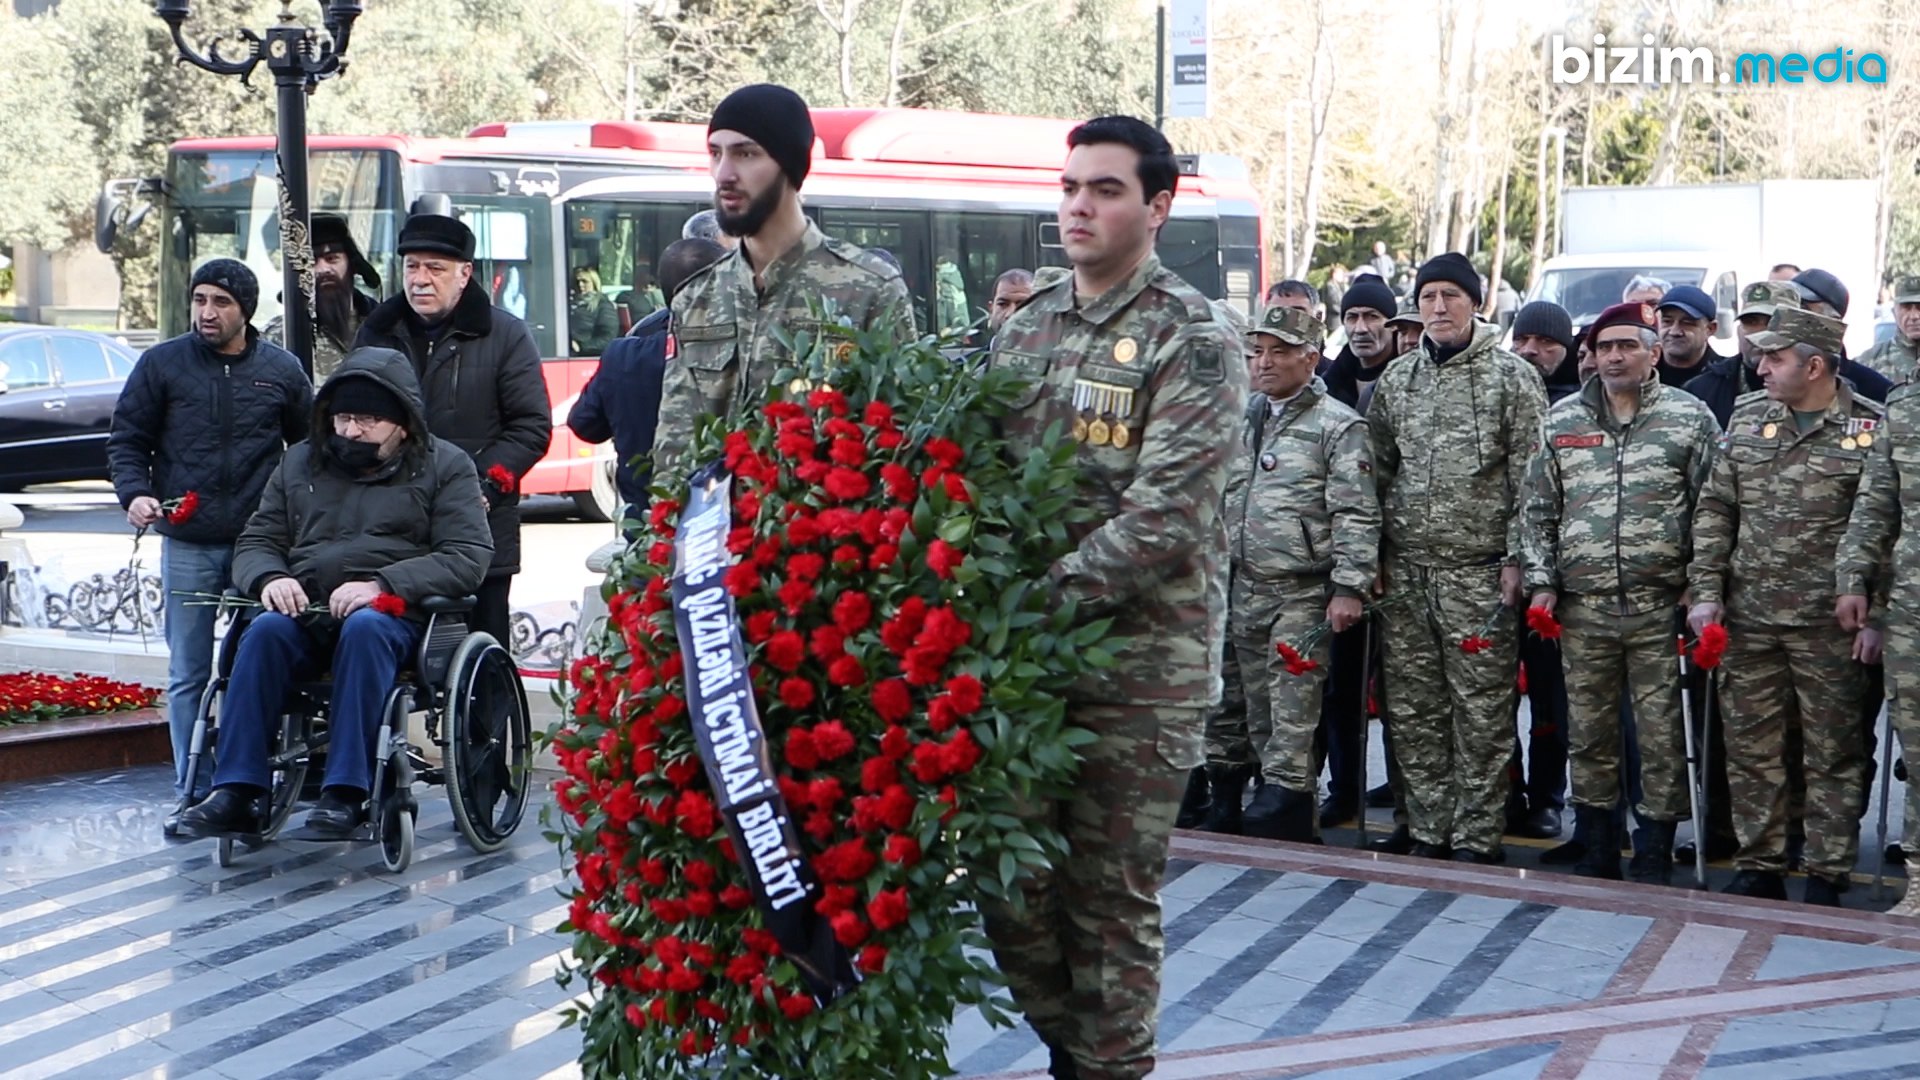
{"x":733,"y":745}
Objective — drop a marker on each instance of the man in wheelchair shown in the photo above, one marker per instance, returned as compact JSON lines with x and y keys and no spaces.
{"x":371,"y":504}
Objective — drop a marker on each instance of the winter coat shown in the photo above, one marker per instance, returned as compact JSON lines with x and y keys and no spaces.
{"x":415,"y":524}
{"x":191,"y":419}
{"x":622,"y":402}
{"x":484,"y":392}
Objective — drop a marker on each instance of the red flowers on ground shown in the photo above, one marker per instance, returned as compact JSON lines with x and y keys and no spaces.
{"x":31,"y":696}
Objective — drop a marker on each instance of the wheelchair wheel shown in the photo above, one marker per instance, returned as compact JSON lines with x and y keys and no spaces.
{"x":396,"y":836}
{"x":489,"y":743}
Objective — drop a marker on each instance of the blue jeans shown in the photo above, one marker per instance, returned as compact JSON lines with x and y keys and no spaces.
{"x":275,"y":653}
{"x":189,"y":568}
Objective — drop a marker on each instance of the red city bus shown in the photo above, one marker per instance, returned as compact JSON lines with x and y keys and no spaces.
{"x":955,"y":197}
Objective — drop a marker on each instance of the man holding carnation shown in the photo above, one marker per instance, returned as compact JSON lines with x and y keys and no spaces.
{"x":1605,"y":554}
{"x":1129,"y":359}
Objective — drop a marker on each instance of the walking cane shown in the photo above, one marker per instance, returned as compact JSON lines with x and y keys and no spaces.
{"x":1366,"y":683}
{"x":1886,"y":789}
{"x":1696,"y":770}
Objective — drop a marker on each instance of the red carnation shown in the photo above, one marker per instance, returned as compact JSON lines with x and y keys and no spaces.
{"x":1295,"y":663}
{"x":660,"y":554}
{"x":826,"y":792}
{"x":888,"y":910}
{"x":877,"y":414}
{"x":849,"y":929}
{"x":806,"y":566}
{"x":786,"y":650}
{"x":180,"y":509}
{"x":803,"y":530}
{"x":700,"y":874}
{"x":500,"y":477}
{"x":883,"y":556}
{"x":941,"y":715}
{"x":929,"y":764}
{"x":849,"y":860}
{"x":742,"y":579}
{"x":660,"y":514}
{"x":892,"y":700}
{"x":1520,"y":679}
{"x":829,"y":399}
{"x":735,"y":897}
{"x":796,"y":594}
{"x":832,"y":740}
{"x":740,"y":539}
{"x":846,"y":671}
{"x":797,"y":445}
{"x":956,"y":488}
{"x":961,"y":753}
{"x":701,"y":903}
{"x":1542,"y":623}
{"x":835,"y":899}
{"x":852,"y":612}
{"x":847,"y":485}
{"x":1475,"y":644}
{"x":878,"y":774}
{"x":742,"y":969}
{"x":902,"y":850}
{"x":820,"y":825}
{"x":893,"y":745}
{"x":796,"y":1006}
{"x":850,"y":452}
{"x":681,"y":773}
{"x":801,"y":751}
{"x":901,"y":486}
{"x":873,"y":959}
{"x":827,"y":643}
{"x":387,"y":603}
{"x":697,"y":815}
{"x":967,"y":693}
{"x":945,"y":451}
{"x":760,"y":626}
{"x":1712,"y":646}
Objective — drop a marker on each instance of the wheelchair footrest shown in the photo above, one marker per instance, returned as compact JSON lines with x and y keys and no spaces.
{"x":359,"y":834}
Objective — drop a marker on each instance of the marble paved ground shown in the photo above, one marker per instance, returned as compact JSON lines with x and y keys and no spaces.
{"x":121,"y":956}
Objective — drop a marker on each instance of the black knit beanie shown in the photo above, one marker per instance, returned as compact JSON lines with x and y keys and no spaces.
{"x":1369,"y":292}
{"x":1450,"y":266}
{"x":1544,"y":318}
{"x":233,"y":276}
{"x":777,"y":119}
{"x":363,"y":395}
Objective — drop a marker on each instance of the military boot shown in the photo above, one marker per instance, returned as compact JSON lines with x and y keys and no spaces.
{"x":1653,"y":862}
{"x":1758,"y":884}
{"x":1280,"y":813}
{"x":1397,"y":842}
{"x":1600,"y":857}
{"x":1823,"y":891}
{"x":1194,"y":804}
{"x":1229,"y":785}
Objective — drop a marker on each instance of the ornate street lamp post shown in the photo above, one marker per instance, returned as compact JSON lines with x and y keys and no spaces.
{"x":299,"y":58}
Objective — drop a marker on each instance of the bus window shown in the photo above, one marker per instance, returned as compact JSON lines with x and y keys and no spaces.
{"x":1190,"y":247}
{"x":612,"y":248}
{"x":969,"y":252}
{"x":902,"y":233}
{"x":510,"y":236}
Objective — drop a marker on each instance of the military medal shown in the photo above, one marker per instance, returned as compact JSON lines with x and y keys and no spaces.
{"x":1849,"y":443}
{"x":1770,"y":431}
{"x":1865,"y":440}
{"x":1079,"y":429}
{"x":1121,"y":436}
{"x":798,"y":387}
{"x":1125,"y":350}
{"x":1098,"y":433}
{"x":1268,"y":462}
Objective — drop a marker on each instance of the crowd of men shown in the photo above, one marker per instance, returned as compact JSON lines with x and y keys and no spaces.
{"x":1288,"y":546}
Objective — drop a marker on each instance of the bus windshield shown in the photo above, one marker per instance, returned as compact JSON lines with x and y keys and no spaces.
{"x":226,"y":204}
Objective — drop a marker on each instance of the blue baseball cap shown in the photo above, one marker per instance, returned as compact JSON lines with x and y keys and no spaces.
{"x":1692,"y":301}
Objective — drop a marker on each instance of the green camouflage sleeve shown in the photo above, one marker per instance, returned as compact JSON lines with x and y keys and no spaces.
{"x":1716,"y":521}
{"x":1540,"y":543}
{"x":1355,"y":508}
{"x":1867,"y":547}
{"x":1700,"y":458}
{"x":1171,"y":509}
{"x":1380,"y":435}
{"x":1523,"y":442}
{"x":895,"y":310}
{"x":681,"y":405}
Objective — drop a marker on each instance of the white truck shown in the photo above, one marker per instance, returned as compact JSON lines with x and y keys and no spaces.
{"x":1718,"y":237}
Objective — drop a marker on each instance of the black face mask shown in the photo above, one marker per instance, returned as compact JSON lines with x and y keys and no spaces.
{"x":353,"y":454}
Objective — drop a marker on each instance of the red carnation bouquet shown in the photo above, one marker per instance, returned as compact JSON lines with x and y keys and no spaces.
{"x":896,"y":707}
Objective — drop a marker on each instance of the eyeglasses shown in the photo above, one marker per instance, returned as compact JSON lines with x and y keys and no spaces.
{"x":360,"y":420}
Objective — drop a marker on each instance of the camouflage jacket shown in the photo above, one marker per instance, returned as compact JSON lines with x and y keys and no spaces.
{"x":327,"y":350}
{"x":1893,"y":358}
{"x":1300,"y":499}
{"x":1768,"y":525}
{"x":1145,"y":358}
{"x":1608,"y":503}
{"x":1451,"y":444}
{"x":1879,"y":557}
{"x":725,"y":327}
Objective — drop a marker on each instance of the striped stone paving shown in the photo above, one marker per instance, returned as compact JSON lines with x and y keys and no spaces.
{"x":122,"y":956}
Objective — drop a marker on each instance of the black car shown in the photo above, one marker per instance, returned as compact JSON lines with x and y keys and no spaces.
{"x":57,"y":392}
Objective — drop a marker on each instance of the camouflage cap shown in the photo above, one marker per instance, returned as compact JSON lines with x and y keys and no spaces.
{"x":1906,"y":290}
{"x":1291,"y":325}
{"x":1409,"y":312}
{"x":1763,"y":297}
{"x":1790,"y":326}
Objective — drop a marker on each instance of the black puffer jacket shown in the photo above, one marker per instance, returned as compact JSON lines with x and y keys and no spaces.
{"x":190,"y":419}
{"x":484,"y":393}
{"x":415,"y":524}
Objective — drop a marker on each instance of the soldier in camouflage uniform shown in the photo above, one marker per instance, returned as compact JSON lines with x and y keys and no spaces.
{"x":1453,"y":426}
{"x":1766,"y":535}
{"x":1899,"y":355}
{"x":1303,"y":528}
{"x":339,"y":308}
{"x":1130,"y":359}
{"x":1606,"y":552}
{"x":784,"y":276}
{"x":1876,"y":578}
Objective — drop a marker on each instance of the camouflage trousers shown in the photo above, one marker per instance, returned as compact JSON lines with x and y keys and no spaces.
{"x":1451,"y":711}
{"x":1282,"y":710}
{"x":1225,"y":734}
{"x":1774,"y":680}
{"x":1605,"y":654}
{"x":1902,"y":659}
{"x":1082,"y":954}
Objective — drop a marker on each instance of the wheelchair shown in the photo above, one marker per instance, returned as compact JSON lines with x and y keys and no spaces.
{"x":475,"y":713}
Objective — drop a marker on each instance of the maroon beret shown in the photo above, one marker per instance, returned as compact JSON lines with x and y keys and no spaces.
{"x":1640,"y":315}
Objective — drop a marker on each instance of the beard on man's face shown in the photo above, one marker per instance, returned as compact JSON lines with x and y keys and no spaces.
{"x":759,"y":209}
{"x":333,"y":305}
